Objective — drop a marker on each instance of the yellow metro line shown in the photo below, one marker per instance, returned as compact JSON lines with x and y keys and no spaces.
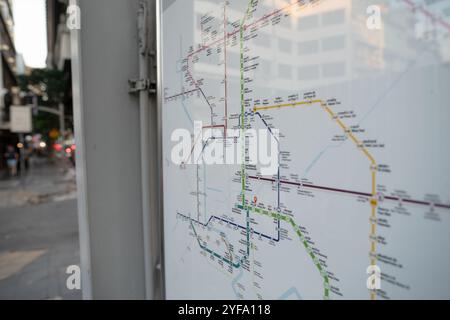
{"x":360,"y":146}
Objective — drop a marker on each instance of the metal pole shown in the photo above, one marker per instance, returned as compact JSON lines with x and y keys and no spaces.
{"x":159,"y":146}
{"x":145,"y":151}
{"x":62,"y":125}
{"x":22,"y":154}
{"x":80,"y":137}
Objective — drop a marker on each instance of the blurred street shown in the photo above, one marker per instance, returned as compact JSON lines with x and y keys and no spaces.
{"x":38,"y":232}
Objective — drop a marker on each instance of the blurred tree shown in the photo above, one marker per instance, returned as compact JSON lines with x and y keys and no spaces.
{"x":50,"y":87}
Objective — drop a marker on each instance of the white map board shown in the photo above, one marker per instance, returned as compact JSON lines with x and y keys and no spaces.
{"x":363,"y":175}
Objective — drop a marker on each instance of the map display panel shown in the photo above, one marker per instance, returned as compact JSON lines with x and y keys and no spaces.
{"x":359,"y":94}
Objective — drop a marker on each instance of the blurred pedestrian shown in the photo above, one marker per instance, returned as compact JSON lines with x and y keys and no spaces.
{"x":28,"y":151}
{"x":11,"y":157}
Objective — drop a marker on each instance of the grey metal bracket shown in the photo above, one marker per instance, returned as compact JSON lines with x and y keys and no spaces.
{"x":137,"y":85}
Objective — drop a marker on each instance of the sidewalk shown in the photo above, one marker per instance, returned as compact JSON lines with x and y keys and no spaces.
{"x":38,"y":233}
{"x":45,"y":182}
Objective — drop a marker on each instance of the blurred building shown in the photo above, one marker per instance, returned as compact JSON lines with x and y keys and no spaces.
{"x":319,"y":46}
{"x":58,"y":35}
{"x":8,"y":74}
{"x":58,"y":47}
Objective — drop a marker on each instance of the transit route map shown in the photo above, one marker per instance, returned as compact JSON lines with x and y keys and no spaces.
{"x":355,"y":101}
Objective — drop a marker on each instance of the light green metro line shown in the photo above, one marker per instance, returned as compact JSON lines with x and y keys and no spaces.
{"x":282,"y":217}
{"x":275,"y":215}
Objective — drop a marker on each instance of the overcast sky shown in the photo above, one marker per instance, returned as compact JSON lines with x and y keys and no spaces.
{"x":31,"y":31}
